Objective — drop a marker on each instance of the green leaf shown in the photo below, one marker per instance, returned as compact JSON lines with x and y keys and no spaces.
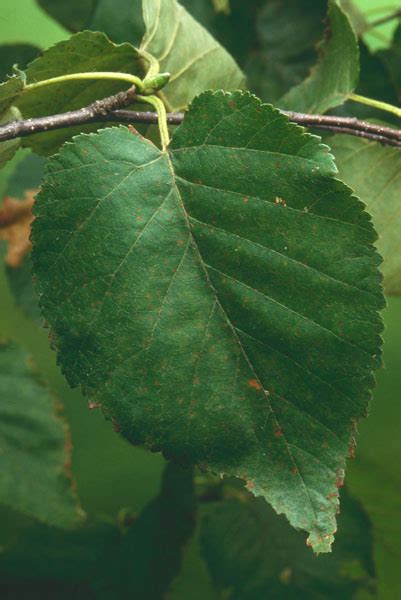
{"x":35,"y":447}
{"x":355,"y":15}
{"x":15,"y":54}
{"x":373,"y":171}
{"x":218,"y":300}
{"x":255,"y":554}
{"x":83,"y":52}
{"x":185,"y":49}
{"x":336,"y":74}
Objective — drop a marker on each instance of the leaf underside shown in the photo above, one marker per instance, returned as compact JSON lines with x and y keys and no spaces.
{"x":84,"y":52}
{"x":185,"y":49}
{"x":220,"y":301}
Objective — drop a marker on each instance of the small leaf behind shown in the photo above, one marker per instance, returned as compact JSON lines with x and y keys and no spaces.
{"x":374,"y":172}
{"x":185,"y":49}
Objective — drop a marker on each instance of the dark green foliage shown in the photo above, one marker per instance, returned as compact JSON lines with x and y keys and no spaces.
{"x":253,"y":554}
{"x":35,"y":444}
{"x":138,"y":559}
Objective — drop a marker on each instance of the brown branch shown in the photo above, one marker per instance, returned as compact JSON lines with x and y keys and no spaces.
{"x":97,"y":111}
{"x":108,"y":110}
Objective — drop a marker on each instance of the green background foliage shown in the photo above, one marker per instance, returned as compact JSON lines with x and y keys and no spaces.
{"x":110,"y":473}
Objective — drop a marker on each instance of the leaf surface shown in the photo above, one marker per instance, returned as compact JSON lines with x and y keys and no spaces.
{"x":185,"y":49}
{"x":374,"y":172}
{"x":35,"y":447}
{"x":220,"y":301}
{"x":336,"y":74}
{"x":83,"y":52}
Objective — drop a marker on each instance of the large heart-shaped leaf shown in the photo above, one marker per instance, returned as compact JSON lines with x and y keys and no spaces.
{"x":218,"y":300}
{"x":185,"y":49}
{"x":34,"y":443}
{"x":374,"y":172}
{"x":336,"y":74}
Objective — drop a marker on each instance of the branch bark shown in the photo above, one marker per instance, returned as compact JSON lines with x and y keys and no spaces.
{"x":109,"y":110}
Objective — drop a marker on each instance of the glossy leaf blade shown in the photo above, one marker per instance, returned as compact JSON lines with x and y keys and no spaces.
{"x":34,"y":445}
{"x":185,"y":49}
{"x":336,"y":74}
{"x":374,"y":172}
{"x":220,"y":301}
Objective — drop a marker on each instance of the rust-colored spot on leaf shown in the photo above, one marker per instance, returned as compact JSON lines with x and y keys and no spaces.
{"x":254,"y":383}
{"x":278,"y":433}
{"x":249,"y":485}
{"x":15,"y":227}
{"x":280,"y":201}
